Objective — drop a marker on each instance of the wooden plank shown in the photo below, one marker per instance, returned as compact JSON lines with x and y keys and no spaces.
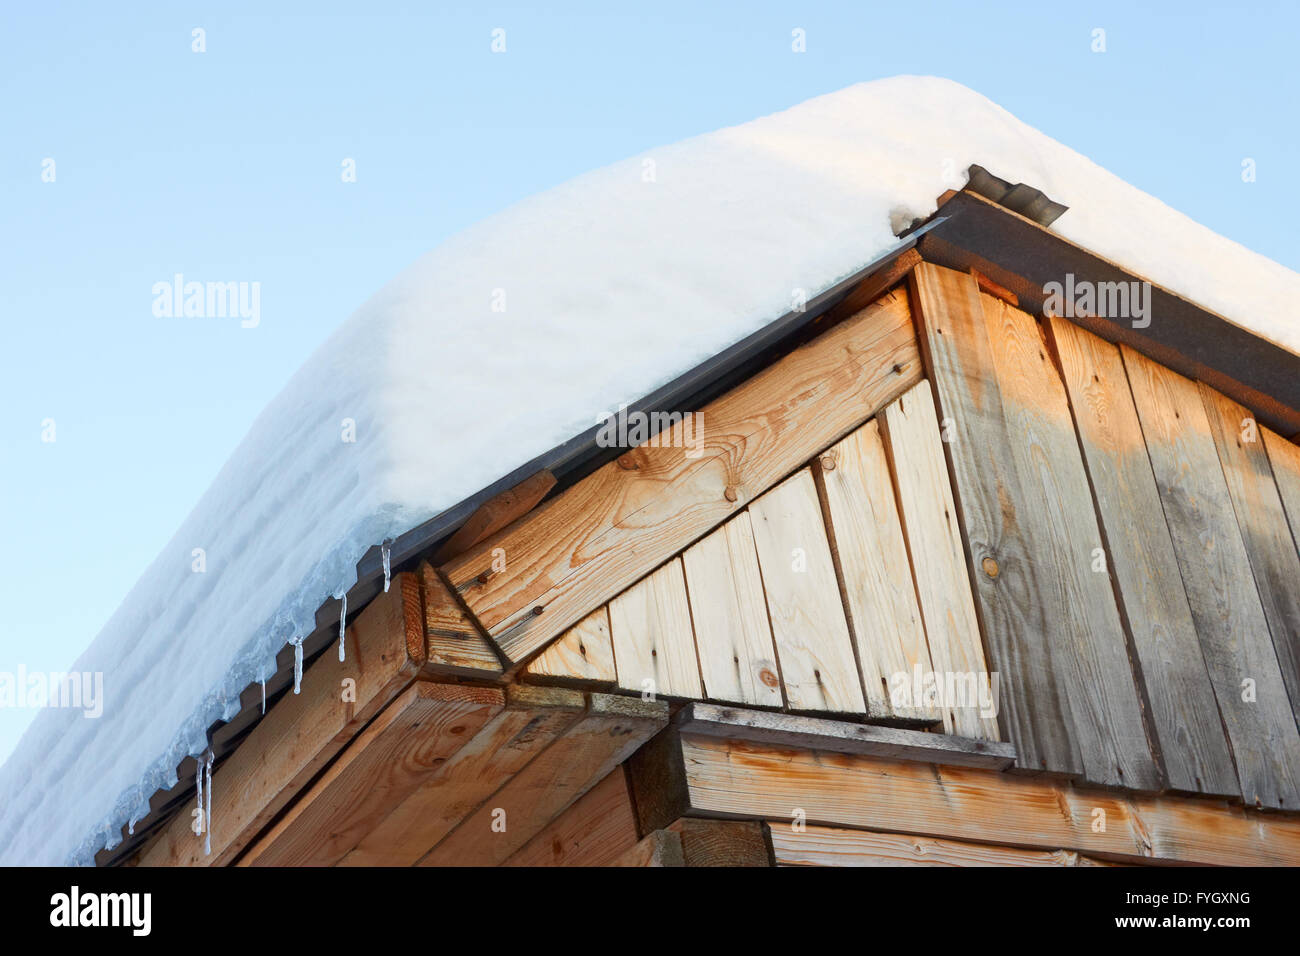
{"x":1051,"y":624}
{"x":1183,"y":709}
{"x":872,"y":287}
{"x":584,"y":655}
{"x":584,"y":546}
{"x":596,"y":831}
{"x":875,"y":575}
{"x":304,"y":731}
{"x":912,"y":438}
{"x":1262,"y":521}
{"x":834,"y":846}
{"x":496,"y":513}
{"x":812,"y":637}
{"x":454,"y":647}
{"x":735,"y":778}
{"x":732,"y":632}
{"x":654,"y":646}
{"x":1285,"y":458}
{"x":813,"y":733}
{"x":533,"y":718}
{"x":731,"y":843}
{"x":389,"y":760}
{"x":1220,"y":588}
{"x":607,"y":734}
{"x":659,"y":848}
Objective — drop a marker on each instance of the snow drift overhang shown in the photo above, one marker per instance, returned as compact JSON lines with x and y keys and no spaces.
{"x":967,"y":232}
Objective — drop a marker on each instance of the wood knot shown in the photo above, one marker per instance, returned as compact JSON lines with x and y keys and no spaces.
{"x":828,"y":462}
{"x":537,"y":610}
{"x":768,"y":678}
{"x":730,"y":493}
{"x":990,"y":567}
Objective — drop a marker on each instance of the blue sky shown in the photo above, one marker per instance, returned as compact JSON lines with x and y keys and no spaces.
{"x":227,"y":164}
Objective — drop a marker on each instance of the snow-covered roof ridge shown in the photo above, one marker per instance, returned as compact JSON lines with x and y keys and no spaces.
{"x":516,"y":335}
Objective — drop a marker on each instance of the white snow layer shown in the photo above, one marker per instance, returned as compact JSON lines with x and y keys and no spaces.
{"x":612,"y":284}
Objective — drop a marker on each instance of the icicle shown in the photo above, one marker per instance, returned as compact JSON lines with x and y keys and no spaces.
{"x":198,"y":787}
{"x":264,"y":696}
{"x":207,"y":839}
{"x":297,"y":665}
{"x":387,"y":570}
{"x":343,"y":624}
{"x":130,"y":828}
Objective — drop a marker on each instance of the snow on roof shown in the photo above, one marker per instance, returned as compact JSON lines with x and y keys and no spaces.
{"x":516,"y":335}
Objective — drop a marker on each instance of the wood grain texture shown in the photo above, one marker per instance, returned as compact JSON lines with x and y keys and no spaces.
{"x":1285,"y":458}
{"x":732,"y":634}
{"x":584,"y":655}
{"x":496,"y":513}
{"x":582,"y":547}
{"x":608,"y":733}
{"x":875,"y":575}
{"x":723,"y":843}
{"x":409,"y":740}
{"x":809,"y":626}
{"x":304,"y":731}
{"x":453,"y":645}
{"x":1220,"y":587}
{"x":833,"y":846}
{"x":659,"y":848}
{"x":734,"y":778}
{"x":533,"y":718}
{"x":1183,"y":708}
{"x":654,"y":645}
{"x":929,"y":516}
{"x":596,"y":831}
{"x":1262,"y":521}
{"x":816,"y":734}
{"x":1051,"y":623}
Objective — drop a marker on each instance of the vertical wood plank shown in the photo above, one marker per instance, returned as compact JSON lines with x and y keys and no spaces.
{"x":1220,"y":587}
{"x":1184,"y":711}
{"x":803,"y":599}
{"x":875,"y":574}
{"x":650,"y":625}
{"x":732,"y":632}
{"x":912,"y":437}
{"x":1264,"y":530}
{"x":1285,"y":459}
{"x":584,"y":654}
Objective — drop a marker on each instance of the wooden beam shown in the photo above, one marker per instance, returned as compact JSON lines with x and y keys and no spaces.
{"x":596,"y":831}
{"x":1050,"y":621}
{"x":1264,"y":529}
{"x":732,"y":843}
{"x":584,"y":656}
{"x":741,"y":779}
{"x":818,"y":734}
{"x":1183,"y":709}
{"x":453,"y":645}
{"x":835,"y":846}
{"x":495,"y":514}
{"x":659,"y":848}
{"x":304,"y":731}
{"x":819,"y":667}
{"x":875,"y":575}
{"x":1221,"y":592}
{"x":913,"y":440}
{"x":607,"y":734}
{"x":389,"y":760}
{"x":590,"y":543}
{"x":533,"y":718}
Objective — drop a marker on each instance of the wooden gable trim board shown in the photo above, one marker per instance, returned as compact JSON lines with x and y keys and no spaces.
{"x":1050,"y":622}
{"x":533,"y":718}
{"x":912,"y":439}
{"x":409,"y":740}
{"x":873,"y":569}
{"x":303,"y":733}
{"x":837,"y":846}
{"x":579,"y":549}
{"x":1183,"y":709}
{"x":741,"y":779}
{"x":1220,"y":586}
{"x":496,"y":513}
{"x":608,"y":732}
